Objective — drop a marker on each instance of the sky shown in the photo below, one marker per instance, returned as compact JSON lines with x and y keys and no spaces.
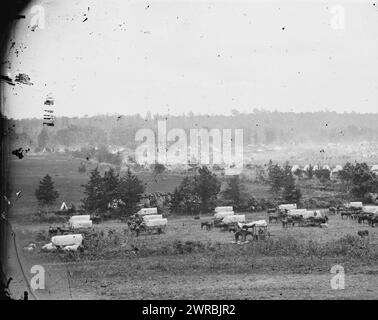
{"x":207,"y":57}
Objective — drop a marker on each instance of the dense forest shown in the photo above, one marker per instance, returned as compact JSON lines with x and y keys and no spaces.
{"x":259,"y":127}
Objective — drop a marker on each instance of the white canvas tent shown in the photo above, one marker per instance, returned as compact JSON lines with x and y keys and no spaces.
{"x":355,"y":205}
{"x":370,"y":209}
{"x":234,"y":218}
{"x":287,"y":206}
{"x":63,"y":207}
{"x":222,"y":214}
{"x":147,"y":211}
{"x":294,"y":168}
{"x":297,"y":212}
{"x":223,"y":209}
{"x":156,"y":222}
{"x":80,"y":221}
{"x":374,"y":168}
{"x":312,"y":213}
{"x":258,"y":223}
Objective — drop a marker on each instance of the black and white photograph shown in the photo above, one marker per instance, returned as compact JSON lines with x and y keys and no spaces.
{"x":179,"y":150}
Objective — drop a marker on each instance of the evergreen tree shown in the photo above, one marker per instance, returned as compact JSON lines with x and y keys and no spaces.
{"x":129,"y":191}
{"x":176,"y":200}
{"x":207,"y":187}
{"x":276,"y":177}
{"x":310,"y":171}
{"x":190,"y":199}
{"x":46,"y":193}
{"x":109,"y":185}
{"x":93,"y":192}
{"x":233,"y":191}
{"x":363,"y":181}
{"x":291,"y":193}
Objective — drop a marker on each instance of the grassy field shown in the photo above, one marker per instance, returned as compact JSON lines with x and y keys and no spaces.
{"x":187,"y":262}
{"x":25,"y":175}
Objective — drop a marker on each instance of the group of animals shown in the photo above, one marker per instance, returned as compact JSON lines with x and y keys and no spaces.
{"x":240,"y":231}
{"x":358,"y":215}
{"x":275,"y":215}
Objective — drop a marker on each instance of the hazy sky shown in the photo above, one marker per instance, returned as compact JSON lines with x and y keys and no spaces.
{"x":201,"y":56}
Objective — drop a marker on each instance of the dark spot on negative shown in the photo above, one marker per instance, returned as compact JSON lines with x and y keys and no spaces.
{"x":20,"y":152}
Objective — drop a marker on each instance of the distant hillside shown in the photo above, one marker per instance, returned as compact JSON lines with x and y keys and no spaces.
{"x":260,"y":127}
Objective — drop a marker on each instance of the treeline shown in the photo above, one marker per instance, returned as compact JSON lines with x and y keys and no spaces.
{"x":117,"y":195}
{"x":260,"y":127}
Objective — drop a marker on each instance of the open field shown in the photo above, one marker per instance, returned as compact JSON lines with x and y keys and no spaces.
{"x":187,"y":262}
{"x":25,"y":175}
{"x":212,"y":267}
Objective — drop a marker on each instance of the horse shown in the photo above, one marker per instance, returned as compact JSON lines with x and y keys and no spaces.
{"x":207,"y":224}
{"x":364,"y":218}
{"x":286,"y":221}
{"x":373,"y":220}
{"x":271,"y":218}
{"x":363,"y":233}
{"x":345,"y":213}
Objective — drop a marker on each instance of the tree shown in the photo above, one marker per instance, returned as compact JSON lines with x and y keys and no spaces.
{"x":109,"y":186}
{"x":157,"y":168}
{"x":276,"y":176}
{"x":310,"y":171}
{"x":299,"y":173}
{"x":190,"y":199}
{"x":207,"y":187}
{"x":323,"y":174}
{"x":346,"y":175}
{"x":232,"y":192}
{"x":46,"y":193}
{"x":363,"y":180}
{"x":176,"y":200}
{"x":236,"y":194}
{"x":291,"y":193}
{"x":129,"y":192}
{"x":93,"y":192}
